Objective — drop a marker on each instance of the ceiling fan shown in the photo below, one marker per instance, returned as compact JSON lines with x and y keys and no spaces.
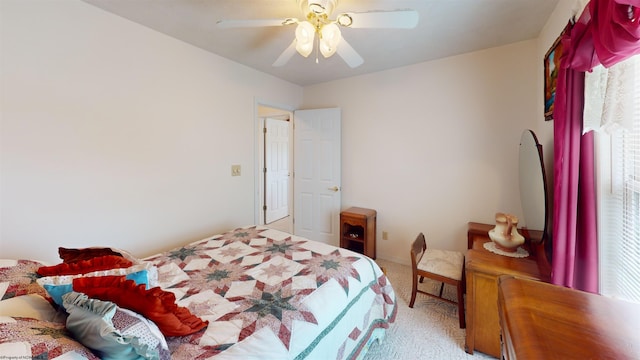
{"x":329,"y":38}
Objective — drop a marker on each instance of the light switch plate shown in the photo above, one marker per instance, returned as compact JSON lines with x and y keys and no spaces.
{"x":235,"y":170}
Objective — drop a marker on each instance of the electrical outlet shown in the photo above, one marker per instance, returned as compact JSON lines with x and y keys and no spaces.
{"x":235,"y":170}
{"x":385,"y":235}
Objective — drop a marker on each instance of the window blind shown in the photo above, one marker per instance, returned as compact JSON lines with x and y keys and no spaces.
{"x":618,"y":155}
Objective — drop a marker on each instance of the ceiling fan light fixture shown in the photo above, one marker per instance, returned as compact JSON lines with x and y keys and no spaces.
{"x":317,"y":7}
{"x":290,"y":21}
{"x":330,"y":37}
{"x":318,"y":20}
{"x":344,"y":20}
{"x":305,"y":33}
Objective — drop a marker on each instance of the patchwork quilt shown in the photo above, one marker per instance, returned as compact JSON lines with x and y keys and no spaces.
{"x":271,"y":295}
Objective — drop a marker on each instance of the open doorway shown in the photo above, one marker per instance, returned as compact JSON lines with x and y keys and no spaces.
{"x":274,"y":185}
{"x":314,"y":194}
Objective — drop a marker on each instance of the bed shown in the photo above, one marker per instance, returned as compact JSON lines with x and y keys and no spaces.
{"x":249,"y":293}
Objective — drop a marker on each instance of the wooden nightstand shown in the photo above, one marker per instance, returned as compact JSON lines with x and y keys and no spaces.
{"x":358,"y":230}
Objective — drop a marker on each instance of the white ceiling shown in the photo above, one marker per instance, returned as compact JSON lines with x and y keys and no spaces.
{"x":445,"y":28}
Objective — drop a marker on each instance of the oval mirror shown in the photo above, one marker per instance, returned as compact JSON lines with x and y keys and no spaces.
{"x":533,"y":185}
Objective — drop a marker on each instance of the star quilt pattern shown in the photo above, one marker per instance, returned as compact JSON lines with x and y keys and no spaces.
{"x":272,"y":295}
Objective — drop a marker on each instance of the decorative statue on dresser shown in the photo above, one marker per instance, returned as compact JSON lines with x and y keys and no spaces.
{"x":505,"y":235}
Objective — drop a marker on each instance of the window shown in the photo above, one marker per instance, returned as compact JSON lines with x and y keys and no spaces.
{"x":618,"y":158}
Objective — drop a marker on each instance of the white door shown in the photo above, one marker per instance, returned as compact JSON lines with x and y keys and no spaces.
{"x":317,"y":174}
{"x":276,"y":140}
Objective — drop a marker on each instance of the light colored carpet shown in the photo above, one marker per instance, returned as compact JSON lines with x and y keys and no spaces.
{"x":428,"y":331}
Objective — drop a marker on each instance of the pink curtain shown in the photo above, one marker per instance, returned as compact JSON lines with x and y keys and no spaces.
{"x":606,"y":33}
{"x":574,"y":239}
{"x":615,"y":29}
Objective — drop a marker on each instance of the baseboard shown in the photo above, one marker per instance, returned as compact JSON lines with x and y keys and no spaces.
{"x":401,"y":261}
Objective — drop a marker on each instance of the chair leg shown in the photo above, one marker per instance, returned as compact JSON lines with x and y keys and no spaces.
{"x":464,"y":281}
{"x":441,"y":288}
{"x":414,"y":290}
{"x":461,"y":314}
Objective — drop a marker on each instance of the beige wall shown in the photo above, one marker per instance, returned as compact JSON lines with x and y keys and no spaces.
{"x":113,"y":134}
{"x":435,"y":145}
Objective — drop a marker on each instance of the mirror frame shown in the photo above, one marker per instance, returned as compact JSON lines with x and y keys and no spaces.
{"x":532,"y":177}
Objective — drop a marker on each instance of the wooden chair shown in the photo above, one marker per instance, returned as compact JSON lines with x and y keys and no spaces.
{"x":444,"y":266}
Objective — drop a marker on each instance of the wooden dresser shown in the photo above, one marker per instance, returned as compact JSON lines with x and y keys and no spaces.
{"x":482,"y":270}
{"x":545,"y":321}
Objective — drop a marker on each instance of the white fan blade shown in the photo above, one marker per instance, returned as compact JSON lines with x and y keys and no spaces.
{"x":400,"y":19}
{"x":286,"y":55}
{"x":348,"y":54}
{"x":225,"y":24}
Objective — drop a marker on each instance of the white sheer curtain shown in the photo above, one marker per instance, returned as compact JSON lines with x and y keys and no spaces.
{"x":609,"y":96}
{"x":612,"y":109}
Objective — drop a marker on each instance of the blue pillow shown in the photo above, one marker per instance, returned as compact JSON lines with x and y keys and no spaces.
{"x":113,"y":332}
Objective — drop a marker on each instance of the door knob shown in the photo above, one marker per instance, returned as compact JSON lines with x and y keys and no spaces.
{"x":334,"y":189}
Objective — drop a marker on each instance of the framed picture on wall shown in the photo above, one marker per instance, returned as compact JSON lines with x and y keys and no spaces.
{"x":551,"y":67}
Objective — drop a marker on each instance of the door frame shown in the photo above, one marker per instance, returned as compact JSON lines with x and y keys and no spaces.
{"x":264,"y":109}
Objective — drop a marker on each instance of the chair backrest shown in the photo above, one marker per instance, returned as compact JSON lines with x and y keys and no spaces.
{"x":418,"y":247}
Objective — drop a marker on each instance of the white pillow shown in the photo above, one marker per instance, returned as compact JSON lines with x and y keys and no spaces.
{"x":31,"y":306}
{"x":113,"y":332}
